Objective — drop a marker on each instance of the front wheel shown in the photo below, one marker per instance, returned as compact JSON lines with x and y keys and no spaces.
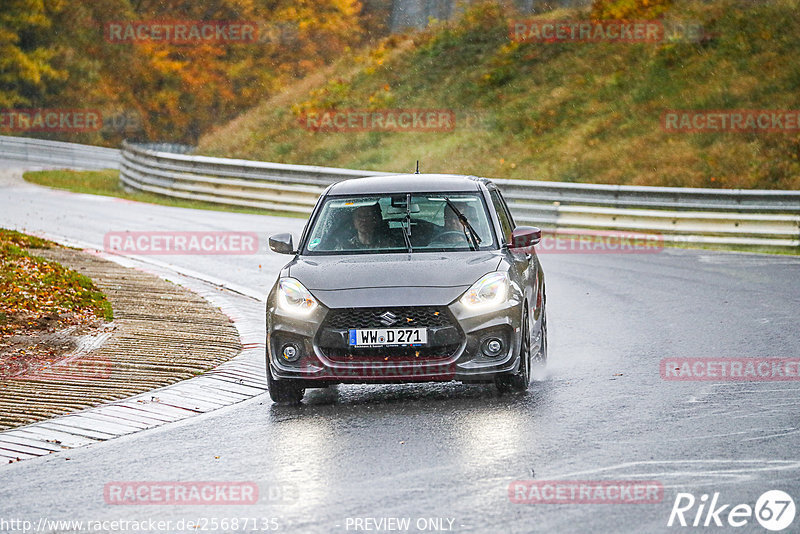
{"x":284,"y":391}
{"x":519,"y":380}
{"x":540,"y":358}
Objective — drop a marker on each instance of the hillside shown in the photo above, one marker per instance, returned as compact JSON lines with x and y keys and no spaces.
{"x":568,"y":111}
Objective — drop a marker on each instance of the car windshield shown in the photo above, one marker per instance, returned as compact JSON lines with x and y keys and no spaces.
{"x":430,"y":222}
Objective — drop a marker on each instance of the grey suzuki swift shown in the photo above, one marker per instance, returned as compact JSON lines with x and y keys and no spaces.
{"x":420,"y":277}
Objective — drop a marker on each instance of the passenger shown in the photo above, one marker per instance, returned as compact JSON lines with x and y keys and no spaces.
{"x":453,"y":224}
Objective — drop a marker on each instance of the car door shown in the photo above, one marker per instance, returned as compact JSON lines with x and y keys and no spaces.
{"x":524,"y":261}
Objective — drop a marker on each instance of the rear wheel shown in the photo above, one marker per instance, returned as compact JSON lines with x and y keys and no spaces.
{"x":519,"y":380}
{"x":284,"y":391}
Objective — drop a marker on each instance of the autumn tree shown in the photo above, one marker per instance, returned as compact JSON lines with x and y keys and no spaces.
{"x":629,"y":9}
{"x":26,"y":61}
{"x":57,"y":55}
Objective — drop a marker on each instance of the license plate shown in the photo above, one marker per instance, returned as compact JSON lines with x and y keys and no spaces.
{"x":376,"y":337}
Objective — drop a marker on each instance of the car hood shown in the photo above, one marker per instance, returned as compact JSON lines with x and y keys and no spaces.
{"x":385,"y":279}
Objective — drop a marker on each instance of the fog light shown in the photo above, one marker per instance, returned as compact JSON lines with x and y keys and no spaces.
{"x":493,"y":347}
{"x":290,"y":353}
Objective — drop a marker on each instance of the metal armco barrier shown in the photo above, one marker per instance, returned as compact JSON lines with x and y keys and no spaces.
{"x":700,"y":216}
{"x":57,"y":154}
{"x":234,"y":182}
{"x":751,"y":218}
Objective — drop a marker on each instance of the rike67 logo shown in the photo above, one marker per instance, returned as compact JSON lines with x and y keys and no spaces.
{"x":774,"y":510}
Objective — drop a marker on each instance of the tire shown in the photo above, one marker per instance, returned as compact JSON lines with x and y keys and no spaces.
{"x":539,"y":359}
{"x":285,"y":391}
{"x":521,"y":379}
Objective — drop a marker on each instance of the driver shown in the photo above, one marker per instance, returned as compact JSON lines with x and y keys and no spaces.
{"x":370,"y":229}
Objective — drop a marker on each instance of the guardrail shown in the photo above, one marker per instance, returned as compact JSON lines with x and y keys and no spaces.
{"x":57,"y":153}
{"x":751,"y":218}
{"x":233,"y":182}
{"x":700,"y":216}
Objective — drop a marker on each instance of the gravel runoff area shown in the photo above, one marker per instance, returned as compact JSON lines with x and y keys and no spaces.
{"x":161,"y":334}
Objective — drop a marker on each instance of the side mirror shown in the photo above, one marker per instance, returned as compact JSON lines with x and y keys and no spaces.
{"x":525,"y":236}
{"x":282,"y":243}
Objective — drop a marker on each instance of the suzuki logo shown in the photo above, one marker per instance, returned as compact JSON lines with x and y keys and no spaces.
{"x":388,"y":318}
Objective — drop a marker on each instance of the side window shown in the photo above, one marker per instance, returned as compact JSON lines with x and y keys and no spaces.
{"x":507,"y":210}
{"x":506,"y":224}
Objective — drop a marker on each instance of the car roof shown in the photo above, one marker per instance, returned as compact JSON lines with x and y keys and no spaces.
{"x":407,"y":183}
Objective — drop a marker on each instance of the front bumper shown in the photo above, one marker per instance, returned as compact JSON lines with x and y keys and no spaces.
{"x":454,"y":350}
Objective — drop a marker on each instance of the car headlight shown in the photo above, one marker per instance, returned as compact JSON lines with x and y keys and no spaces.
{"x":489,"y":291}
{"x":294,"y":298}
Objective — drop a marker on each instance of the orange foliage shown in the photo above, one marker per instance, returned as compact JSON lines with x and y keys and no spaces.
{"x":179,"y":91}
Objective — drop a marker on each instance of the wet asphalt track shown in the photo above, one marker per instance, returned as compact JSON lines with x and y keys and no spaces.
{"x":447,"y":450}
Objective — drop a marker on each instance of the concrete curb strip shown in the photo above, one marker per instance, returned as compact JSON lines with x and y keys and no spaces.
{"x":164,"y":334}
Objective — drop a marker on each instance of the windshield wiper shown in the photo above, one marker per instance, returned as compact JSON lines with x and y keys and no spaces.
{"x":407,"y":228}
{"x":473,"y":238}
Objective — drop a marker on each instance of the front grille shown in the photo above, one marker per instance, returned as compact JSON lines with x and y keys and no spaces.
{"x":411,"y":317}
{"x":389,"y":354}
{"x":442,"y":333}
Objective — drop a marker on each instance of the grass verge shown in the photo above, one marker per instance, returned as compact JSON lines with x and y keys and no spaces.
{"x":106,"y":183}
{"x":570,"y":112}
{"x":35,"y":291}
